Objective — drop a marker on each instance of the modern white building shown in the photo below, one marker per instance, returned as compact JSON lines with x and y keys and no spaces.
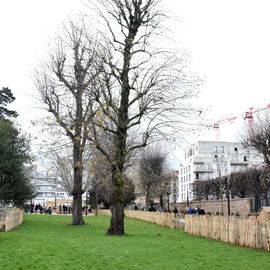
{"x":49,"y":192}
{"x":205,"y":160}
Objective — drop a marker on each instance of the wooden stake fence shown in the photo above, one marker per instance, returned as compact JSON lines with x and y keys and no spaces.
{"x":168,"y":220}
{"x":249,"y":232}
{"x":13,"y":219}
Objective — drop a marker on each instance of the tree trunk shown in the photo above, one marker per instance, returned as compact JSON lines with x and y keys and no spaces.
{"x":77,"y":218}
{"x":161,"y":200}
{"x":147,"y":200}
{"x":117,"y":206}
{"x":117,"y":219}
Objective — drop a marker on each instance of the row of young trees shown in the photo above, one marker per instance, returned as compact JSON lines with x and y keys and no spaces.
{"x":253,"y":182}
{"x":15,"y":156}
{"x":111,"y":91}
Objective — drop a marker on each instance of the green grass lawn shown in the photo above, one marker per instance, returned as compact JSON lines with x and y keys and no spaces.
{"x":46,"y":242}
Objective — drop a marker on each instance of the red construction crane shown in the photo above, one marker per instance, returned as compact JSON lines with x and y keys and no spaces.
{"x":247,"y":116}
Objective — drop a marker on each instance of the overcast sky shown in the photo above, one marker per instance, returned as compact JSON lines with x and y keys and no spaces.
{"x":228,"y":41}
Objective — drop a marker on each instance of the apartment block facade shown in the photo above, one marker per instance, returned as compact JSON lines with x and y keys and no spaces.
{"x":48,"y":191}
{"x":205,"y":160}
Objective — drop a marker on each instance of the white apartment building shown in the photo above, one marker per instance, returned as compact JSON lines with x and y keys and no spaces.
{"x":48,"y":190}
{"x":206,"y":160}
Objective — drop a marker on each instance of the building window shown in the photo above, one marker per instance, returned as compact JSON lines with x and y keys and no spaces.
{"x":246,"y":158}
{"x":222,"y":149}
{"x":235,"y":149}
{"x":215,"y":149}
{"x":235,"y":158}
{"x":189,"y":168}
{"x":197,"y":176}
{"x":189,"y":177}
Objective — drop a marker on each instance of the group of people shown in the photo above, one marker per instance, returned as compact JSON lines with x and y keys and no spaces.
{"x":37,"y":208}
{"x":196,"y":211}
{"x":153,"y":209}
{"x":67,"y":209}
{"x":86,"y":209}
{"x":62,"y":209}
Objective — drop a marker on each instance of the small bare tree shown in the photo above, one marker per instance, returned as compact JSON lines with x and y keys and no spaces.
{"x":163,"y":189}
{"x":152,"y":166}
{"x":220,"y":171}
{"x":258,"y":138}
{"x":101,"y":188}
{"x":62,"y":167}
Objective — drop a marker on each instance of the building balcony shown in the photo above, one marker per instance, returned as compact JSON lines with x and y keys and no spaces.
{"x":45,"y":190}
{"x":199,"y":159}
{"x":239,"y":162}
{"x":197,"y":170}
{"x":39,"y":196}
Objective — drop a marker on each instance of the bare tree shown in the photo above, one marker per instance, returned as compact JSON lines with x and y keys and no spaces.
{"x":64,"y":83}
{"x":258,"y":137}
{"x":202,"y":190}
{"x":221,"y":170}
{"x":101,"y":189}
{"x":62,"y":167}
{"x":140,"y":88}
{"x":152,"y":180}
{"x":163,"y":189}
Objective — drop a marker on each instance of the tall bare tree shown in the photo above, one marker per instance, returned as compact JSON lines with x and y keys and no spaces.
{"x":64,"y":83}
{"x":140,"y":88}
